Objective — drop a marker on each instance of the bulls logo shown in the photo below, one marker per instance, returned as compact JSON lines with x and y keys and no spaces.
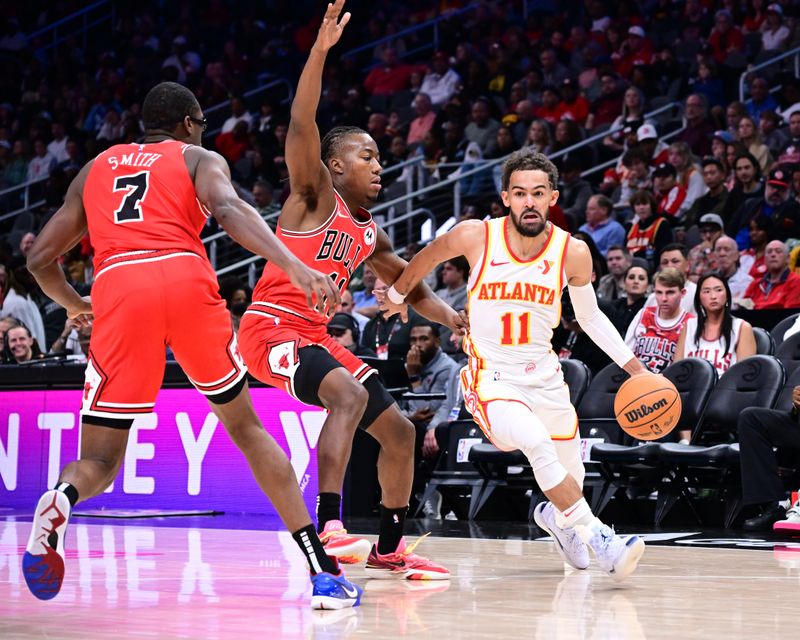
{"x":369,"y":237}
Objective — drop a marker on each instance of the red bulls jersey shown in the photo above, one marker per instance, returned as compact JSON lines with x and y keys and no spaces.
{"x":337,"y":248}
{"x":654,"y":344}
{"x":140,"y":203}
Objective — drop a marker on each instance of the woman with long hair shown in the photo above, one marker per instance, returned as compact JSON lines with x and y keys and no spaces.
{"x":649,"y":231}
{"x":750,"y":137}
{"x":632,"y":114}
{"x":713,"y":333}
{"x":539,"y":137}
{"x":636,"y":283}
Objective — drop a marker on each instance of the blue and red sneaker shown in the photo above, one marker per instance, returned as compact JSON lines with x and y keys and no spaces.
{"x":334,"y":591}
{"x":43,"y":562}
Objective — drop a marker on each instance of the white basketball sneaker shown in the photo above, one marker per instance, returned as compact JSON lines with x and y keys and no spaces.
{"x":617,"y":556}
{"x":568,"y":544}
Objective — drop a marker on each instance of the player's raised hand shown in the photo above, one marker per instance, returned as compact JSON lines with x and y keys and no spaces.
{"x":331,"y":29}
{"x":388,"y":307}
{"x":322,"y":295}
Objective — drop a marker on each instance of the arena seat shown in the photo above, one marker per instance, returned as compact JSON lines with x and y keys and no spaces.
{"x":765,"y":344}
{"x":779,"y":330}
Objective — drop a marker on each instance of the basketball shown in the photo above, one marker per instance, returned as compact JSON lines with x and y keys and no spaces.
{"x":647,"y":407}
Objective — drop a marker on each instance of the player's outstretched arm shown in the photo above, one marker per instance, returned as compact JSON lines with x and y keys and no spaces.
{"x":407,"y":277}
{"x":62,"y":232}
{"x":308,"y":176}
{"x":214,"y":190}
{"x":578,"y":268}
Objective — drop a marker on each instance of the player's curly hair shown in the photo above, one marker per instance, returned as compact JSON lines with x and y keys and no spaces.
{"x":526,"y":159}
{"x":333,"y":140}
{"x":166,"y":105}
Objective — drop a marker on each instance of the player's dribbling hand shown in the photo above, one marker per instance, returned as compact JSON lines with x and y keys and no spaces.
{"x":322,"y":295}
{"x":81,"y":314}
{"x":331,"y":29}
{"x":458,"y":323}
{"x":388,"y":307}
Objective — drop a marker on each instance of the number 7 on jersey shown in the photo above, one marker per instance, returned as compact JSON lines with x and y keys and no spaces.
{"x":130,"y":210}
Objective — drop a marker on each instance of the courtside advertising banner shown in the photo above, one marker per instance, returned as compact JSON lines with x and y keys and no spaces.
{"x":178,"y":458}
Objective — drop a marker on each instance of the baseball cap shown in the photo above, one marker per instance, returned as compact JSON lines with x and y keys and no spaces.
{"x":775,"y":8}
{"x":665,"y":169}
{"x":343,"y":321}
{"x":646,"y":132}
{"x":779,"y":178}
{"x":636,"y":30}
{"x":711,"y":218}
{"x":725,"y":136}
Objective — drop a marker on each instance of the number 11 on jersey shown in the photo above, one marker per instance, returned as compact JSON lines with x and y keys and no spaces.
{"x":508,"y":329}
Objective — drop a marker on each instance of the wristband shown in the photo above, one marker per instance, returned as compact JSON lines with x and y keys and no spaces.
{"x":413,"y":378}
{"x":395,"y":297}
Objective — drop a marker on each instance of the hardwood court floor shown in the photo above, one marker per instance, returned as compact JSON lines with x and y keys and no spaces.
{"x":180,"y":582}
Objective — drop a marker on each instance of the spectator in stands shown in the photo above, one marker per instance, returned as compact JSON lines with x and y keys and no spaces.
{"x":239,"y":113}
{"x":680,"y":157}
{"x":774,"y":33}
{"x":42,"y":162}
{"x":701,"y":256}
{"x":441,"y":82}
{"x":653,"y":333}
{"x":455,"y":273}
{"x":233,"y":144}
{"x":539,"y":137}
{"x":761,"y":100}
{"x":482,"y":129}
{"x":16,"y":301}
{"x":675,"y":256}
{"x":607,"y":106}
{"x":574,"y":192}
{"x":790,"y":153}
{"x":670,"y":195}
{"x":717,"y":199}
{"x":568,"y":134}
{"x":112,"y":130}
{"x":6,"y":322}
{"x":776,"y":205}
{"x":184,"y":61}
{"x":779,"y":288}
{"x":264,"y":199}
{"x":346,"y":306}
{"x":553,"y":72}
{"x":429,"y":370}
{"x":552,"y":108}
{"x":649,"y":232}
{"x":699,"y":129}
{"x":344,"y":328}
{"x":365,"y":301}
{"x":376,"y":127}
{"x":632,"y":115}
{"x":423,"y":122}
{"x":719,"y":147}
{"x":25,"y":243}
{"x":648,"y":141}
{"x":603,"y":229}
{"x":636,"y":50}
{"x":73,"y":342}
{"x":624,"y":309}
{"x":764,"y":436}
{"x":708,"y":84}
{"x":612,"y":285}
{"x":748,"y":184}
{"x":504,"y":145}
{"x":391,"y":75}
{"x":771,"y":135}
{"x":635,"y":176}
{"x":20,"y":345}
{"x":57,"y":147}
{"x":733,"y":267}
{"x":576,"y":107}
{"x":750,"y":137}
{"x":726,"y":38}
{"x":760,"y":233}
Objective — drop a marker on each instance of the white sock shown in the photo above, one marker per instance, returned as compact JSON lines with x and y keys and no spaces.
{"x":579,"y":516}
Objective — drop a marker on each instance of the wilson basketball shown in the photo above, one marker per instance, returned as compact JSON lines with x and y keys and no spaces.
{"x":647,"y":407}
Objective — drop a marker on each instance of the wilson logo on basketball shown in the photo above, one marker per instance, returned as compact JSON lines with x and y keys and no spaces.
{"x":644,"y":410}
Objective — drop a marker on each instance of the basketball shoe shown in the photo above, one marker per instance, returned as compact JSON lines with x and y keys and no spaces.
{"x":334,"y":591}
{"x":43,"y":562}
{"x":616,"y":556}
{"x":345,"y":548}
{"x":792,"y":520}
{"x":404,"y":563}
{"x":567,"y":541}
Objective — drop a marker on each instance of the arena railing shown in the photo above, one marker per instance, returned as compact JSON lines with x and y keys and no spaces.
{"x":768,"y":63}
{"x":79,"y":22}
{"x":20,"y":193}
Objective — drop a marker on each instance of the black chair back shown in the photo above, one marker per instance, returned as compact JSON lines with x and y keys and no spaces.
{"x":577,"y":376}
{"x":789,"y":353}
{"x":779,"y":329}
{"x":784,"y":402}
{"x":462,"y":434}
{"x":765,"y":344}
{"x":694,"y":378}
{"x":596,"y":417}
{"x":754,"y":382}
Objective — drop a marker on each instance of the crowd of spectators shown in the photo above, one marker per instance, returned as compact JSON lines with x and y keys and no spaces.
{"x":662,"y":199}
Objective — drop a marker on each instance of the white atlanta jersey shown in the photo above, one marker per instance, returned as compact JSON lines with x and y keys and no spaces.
{"x":514,"y":304}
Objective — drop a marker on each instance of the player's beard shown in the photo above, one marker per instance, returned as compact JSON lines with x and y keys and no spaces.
{"x":529,"y":230}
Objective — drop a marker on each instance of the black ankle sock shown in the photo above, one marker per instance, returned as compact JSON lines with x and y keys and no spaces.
{"x":328,"y":508}
{"x":68,"y":490}
{"x":318,"y":561}
{"x":391,"y":530}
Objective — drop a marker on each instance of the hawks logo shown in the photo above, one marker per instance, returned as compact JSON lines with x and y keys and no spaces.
{"x":545,"y":266}
{"x":369,"y":236}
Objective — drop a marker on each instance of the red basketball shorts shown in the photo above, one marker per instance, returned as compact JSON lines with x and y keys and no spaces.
{"x":270,"y":339}
{"x":143,"y":303}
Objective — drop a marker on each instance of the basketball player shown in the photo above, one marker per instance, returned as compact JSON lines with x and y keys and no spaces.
{"x":324,"y":222}
{"x":513,"y":384}
{"x":145,"y":205}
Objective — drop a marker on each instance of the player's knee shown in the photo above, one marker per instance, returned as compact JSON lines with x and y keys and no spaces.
{"x":351,"y":399}
{"x":402,"y":435}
